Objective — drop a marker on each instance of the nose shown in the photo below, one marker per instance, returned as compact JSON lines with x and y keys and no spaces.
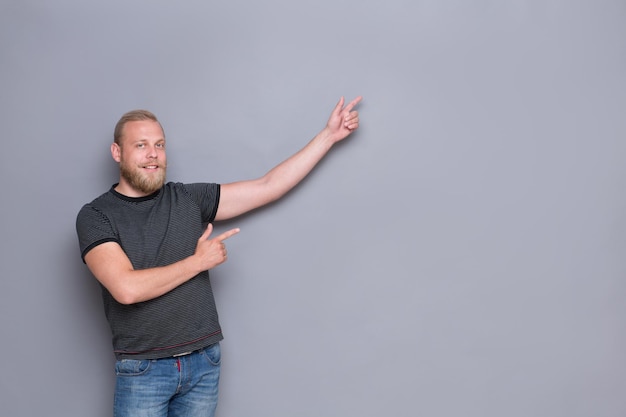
{"x":152,"y":152}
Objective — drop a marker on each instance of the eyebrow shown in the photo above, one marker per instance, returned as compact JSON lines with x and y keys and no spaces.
{"x":147,"y":140}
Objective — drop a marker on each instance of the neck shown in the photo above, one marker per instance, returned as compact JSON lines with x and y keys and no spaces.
{"x":129,"y":191}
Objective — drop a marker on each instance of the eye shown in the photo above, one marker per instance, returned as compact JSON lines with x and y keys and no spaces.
{"x":160,"y":145}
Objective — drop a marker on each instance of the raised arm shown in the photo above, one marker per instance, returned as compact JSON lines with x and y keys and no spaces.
{"x":240,"y":197}
{"x":110,"y":265}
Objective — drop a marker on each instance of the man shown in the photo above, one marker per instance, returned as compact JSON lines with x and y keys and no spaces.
{"x":145,"y":242}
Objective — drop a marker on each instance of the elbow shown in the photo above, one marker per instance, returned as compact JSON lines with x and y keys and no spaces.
{"x":125,"y":296}
{"x":274,"y":188}
{"x":125,"y":300}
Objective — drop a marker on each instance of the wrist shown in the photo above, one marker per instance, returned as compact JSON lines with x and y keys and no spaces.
{"x":327,"y":137}
{"x":193,"y":265}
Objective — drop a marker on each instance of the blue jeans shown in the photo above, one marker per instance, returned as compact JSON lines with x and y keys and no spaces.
{"x":178,"y":386}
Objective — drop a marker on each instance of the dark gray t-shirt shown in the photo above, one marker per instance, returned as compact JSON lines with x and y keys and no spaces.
{"x":156,"y":230}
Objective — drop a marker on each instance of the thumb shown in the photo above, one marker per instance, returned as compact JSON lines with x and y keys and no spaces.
{"x":207,"y":232}
{"x":339,"y":105}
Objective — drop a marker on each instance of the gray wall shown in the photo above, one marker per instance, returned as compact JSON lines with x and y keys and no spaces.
{"x":461,"y":255}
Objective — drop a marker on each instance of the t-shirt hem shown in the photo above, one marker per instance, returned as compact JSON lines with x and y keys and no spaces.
{"x":166,"y":352}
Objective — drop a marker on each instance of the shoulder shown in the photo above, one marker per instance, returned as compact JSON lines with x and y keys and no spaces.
{"x":101,"y":201}
{"x":194,"y":190}
{"x":192,"y":186}
{"x":203,"y":196}
{"x":96,"y":205}
{"x":100,"y":209}
{"x":91,"y":213}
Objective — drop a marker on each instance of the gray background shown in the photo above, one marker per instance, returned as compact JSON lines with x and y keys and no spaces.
{"x":461,"y":255}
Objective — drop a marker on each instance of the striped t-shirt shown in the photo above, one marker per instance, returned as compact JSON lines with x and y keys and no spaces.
{"x":156,"y":230}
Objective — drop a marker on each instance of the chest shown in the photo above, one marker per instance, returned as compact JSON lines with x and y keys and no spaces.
{"x":160,"y":234}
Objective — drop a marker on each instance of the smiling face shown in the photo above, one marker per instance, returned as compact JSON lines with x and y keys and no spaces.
{"x":141,"y":155}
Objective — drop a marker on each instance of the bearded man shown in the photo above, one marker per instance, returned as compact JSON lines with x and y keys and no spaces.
{"x":144,"y":240}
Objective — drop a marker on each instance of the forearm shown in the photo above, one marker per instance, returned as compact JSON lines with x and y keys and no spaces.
{"x":112,"y":268}
{"x":286,"y":175}
{"x":146,"y":284}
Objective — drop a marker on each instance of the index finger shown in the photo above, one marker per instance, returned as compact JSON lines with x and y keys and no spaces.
{"x":353,"y":103}
{"x":227,"y":234}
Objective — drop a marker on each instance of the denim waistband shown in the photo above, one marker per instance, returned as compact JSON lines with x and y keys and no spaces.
{"x":178,"y":355}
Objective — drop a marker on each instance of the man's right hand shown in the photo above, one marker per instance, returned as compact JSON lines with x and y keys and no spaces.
{"x":212,"y":252}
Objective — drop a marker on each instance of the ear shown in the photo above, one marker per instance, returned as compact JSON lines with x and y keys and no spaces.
{"x":116,"y":152}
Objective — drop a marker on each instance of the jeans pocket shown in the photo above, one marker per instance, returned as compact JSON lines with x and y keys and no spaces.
{"x":213,"y":354}
{"x":132,"y":367}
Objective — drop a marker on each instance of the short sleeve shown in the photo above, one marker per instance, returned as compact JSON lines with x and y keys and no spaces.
{"x":93,"y":228}
{"x":207,"y":196}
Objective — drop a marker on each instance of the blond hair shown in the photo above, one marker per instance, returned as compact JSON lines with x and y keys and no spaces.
{"x":132,"y":116}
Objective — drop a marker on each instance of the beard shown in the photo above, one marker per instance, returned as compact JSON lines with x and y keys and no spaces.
{"x":147,"y":184}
